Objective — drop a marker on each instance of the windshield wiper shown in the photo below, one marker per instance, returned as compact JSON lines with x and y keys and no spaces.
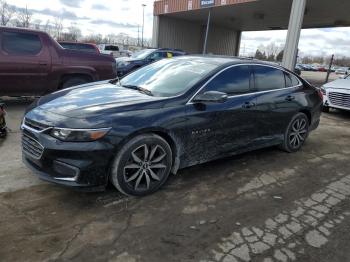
{"x":140,"y":89}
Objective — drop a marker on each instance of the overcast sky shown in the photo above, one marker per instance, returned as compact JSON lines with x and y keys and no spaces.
{"x":94,"y":16}
{"x":116,"y":16}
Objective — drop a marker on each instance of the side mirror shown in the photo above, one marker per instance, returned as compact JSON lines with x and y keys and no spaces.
{"x":211,"y":97}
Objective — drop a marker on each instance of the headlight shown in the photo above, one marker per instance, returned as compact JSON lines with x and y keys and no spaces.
{"x":123,"y":64}
{"x":79,"y":135}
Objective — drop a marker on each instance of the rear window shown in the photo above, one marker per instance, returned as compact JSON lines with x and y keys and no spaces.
{"x":291,"y":80}
{"x":21,"y":43}
{"x":268,"y":78}
{"x":111,"y":48}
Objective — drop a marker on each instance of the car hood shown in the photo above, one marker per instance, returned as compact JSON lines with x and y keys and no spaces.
{"x":91,"y":99}
{"x":339,"y":84}
{"x":127,"y":59}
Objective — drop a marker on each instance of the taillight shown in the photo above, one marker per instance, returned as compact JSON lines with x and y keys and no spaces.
{"x":320,"y":93}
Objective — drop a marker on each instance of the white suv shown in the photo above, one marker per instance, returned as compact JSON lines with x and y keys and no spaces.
{"x":336,"y":94}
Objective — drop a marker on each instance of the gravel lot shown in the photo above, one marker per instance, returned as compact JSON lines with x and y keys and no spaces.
{"x":261,"y":206}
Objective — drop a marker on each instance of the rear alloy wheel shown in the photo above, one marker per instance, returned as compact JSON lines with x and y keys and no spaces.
{"x":142,"y":166}
{"x":296,"y":134}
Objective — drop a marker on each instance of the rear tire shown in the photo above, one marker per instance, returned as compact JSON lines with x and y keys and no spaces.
{"x":296,"y":133}
{"x":142,"y":166}
{"x":74,"y":81}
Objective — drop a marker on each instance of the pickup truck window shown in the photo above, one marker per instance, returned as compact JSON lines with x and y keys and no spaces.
{"x":21,"y":43}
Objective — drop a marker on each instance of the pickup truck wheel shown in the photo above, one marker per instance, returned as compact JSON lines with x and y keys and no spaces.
{"x":73,"y":81}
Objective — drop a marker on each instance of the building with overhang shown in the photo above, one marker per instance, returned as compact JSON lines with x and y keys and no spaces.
{"x":215,"y":26}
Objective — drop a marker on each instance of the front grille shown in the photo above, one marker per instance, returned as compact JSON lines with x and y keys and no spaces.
{"x":31,"y":147}
{"x":339,"y":99}
{"x":35,"y":125}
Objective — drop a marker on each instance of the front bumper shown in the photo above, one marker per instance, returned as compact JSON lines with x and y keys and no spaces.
{"x":80,"y":165}
{"x":339,"y":99}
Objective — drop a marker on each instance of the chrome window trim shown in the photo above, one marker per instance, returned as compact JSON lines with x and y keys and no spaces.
{"x":190,"y":101}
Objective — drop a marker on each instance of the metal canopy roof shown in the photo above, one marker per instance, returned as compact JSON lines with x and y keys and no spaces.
{"x":264,"y":14}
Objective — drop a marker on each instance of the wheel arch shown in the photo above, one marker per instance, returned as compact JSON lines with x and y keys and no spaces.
{"x":168,"y":136}
{"x":65,"y":77}
{"x":308,"y":114}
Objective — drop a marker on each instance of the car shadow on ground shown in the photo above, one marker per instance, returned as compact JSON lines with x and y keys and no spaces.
{"x":185,"y":181}
{"x":338,"y":114}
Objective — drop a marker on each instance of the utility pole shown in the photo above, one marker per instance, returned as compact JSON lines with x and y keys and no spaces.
{"x":138,"y":35}
{"x":207,"y":33}
{"x":330,"y":68}
{"x":143,"y":21}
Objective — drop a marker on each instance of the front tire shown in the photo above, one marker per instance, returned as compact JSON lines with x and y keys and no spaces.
{"x":296,"y":133}
{"x":325,"y":109}
{"x":142,"y":166}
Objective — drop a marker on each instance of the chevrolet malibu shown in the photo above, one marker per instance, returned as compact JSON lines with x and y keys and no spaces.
{"x":169,"y":115}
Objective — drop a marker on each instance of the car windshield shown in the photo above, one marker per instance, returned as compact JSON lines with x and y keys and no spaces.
{"x":168,"y":77}
{"x":142,"y":54}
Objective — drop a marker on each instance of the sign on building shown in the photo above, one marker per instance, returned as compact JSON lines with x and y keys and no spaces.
{"x":207,"y":3}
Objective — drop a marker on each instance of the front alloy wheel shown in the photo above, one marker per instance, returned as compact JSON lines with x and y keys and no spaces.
{"x":142,"y":166}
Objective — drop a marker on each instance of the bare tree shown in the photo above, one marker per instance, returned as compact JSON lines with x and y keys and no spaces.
{"x":6,"y":13}
{"x":57,"y":27}
{"x":37,"y":24}
{"x":73,"y":34}
{"x":24,"y":18}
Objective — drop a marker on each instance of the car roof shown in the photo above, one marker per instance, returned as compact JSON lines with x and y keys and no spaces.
{"x":21,"y":29}
{"x":227,"y":60}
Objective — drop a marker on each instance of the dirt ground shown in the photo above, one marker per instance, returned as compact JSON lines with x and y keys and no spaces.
{"x":261,"y":206}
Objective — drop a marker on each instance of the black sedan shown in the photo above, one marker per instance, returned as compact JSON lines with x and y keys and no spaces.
{"x":163,"y":117}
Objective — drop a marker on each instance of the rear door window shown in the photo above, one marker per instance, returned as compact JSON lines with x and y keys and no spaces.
{"x":21,"y":43}
{"x":268,"y":78}
{"x":232,"y":81}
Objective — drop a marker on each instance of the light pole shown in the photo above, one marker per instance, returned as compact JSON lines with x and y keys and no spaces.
{"x":143,"y":21}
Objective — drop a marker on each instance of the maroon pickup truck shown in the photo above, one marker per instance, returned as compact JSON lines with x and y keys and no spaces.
{"x":33,"y":63}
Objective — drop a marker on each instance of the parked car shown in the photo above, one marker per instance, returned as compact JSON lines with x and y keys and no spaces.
{"x":33,"y":63}
{"x":144,"y":57}
{"x":336,"y":94}
{"x":168,"y":115}
{"x":342,"y":71}
{"x":86,"y":47}
{"x":298,"y":70}
{"x":112,"y":50}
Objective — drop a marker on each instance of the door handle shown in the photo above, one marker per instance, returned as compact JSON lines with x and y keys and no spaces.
{"x":248,"y":105}
{"x":290,"y":98}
